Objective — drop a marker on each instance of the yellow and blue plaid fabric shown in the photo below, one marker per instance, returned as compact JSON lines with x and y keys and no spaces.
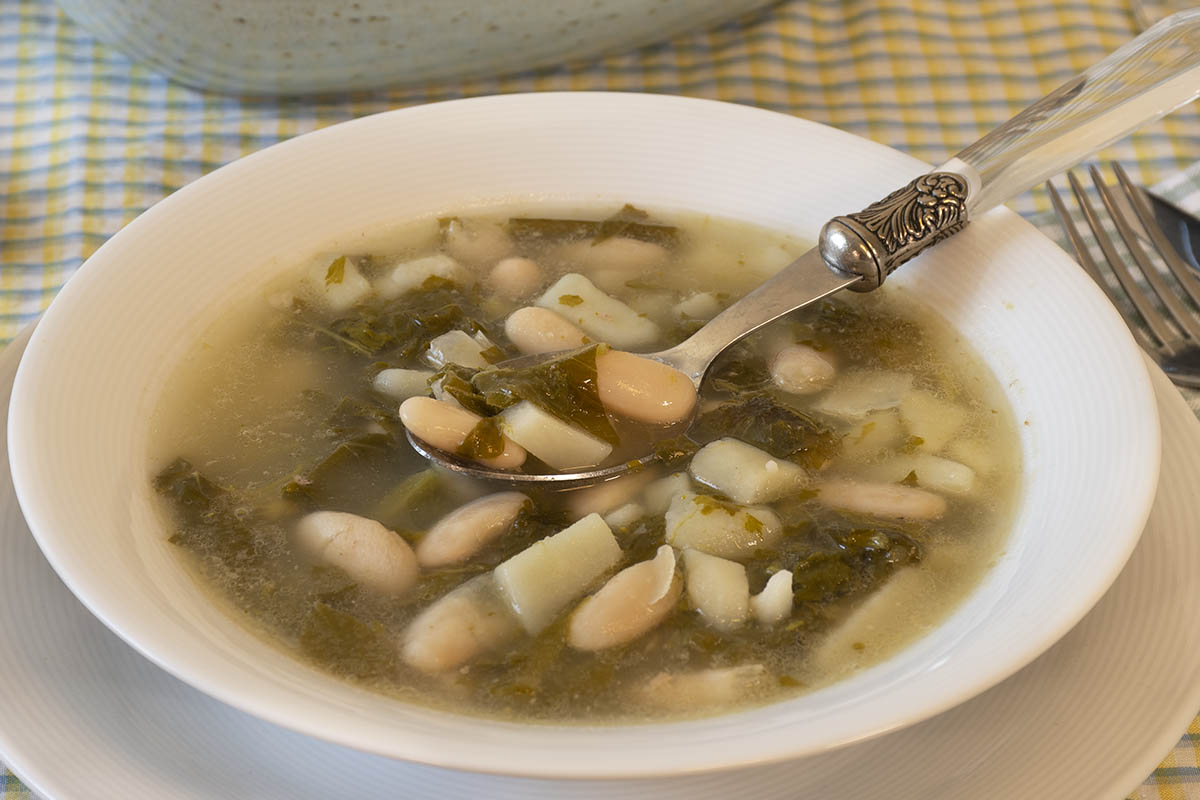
{"x":89,"y":140}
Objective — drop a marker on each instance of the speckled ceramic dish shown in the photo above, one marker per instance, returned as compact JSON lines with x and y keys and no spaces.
{"x":310,"y":46}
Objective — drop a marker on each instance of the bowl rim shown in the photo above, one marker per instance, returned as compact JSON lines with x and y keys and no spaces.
{"x":23,"y":449}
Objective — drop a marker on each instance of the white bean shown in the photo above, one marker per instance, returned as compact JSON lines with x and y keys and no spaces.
{"x":932,"y":472}
{"x":800,"y":369}
{"x":890,"y":500}
{"x":643,"y":389}
{"x":401,"y":384}
{"x":515,"y":278}
{"x":619,"y":254}
{"x":477,"y":241}
{"x":463,"y":532}
{"x":470,"y":620}
{"x":540,"y":330}
{"x":632,"y":602}
{"x":363,"y":548}
{"x":446,"y":428}
{"x":774,"y":603}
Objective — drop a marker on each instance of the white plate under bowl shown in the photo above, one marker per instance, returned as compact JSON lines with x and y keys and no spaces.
{"x":82,"y":710}
{"x":94,"y":367}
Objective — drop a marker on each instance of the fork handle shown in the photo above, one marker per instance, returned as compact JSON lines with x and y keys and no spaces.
{"x":1141,"y":81}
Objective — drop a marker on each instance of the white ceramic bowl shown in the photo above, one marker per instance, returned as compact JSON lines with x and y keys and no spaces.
{"x":96,"y":364}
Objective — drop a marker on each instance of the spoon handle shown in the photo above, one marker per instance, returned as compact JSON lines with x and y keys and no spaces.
{"x":1141,"y":81}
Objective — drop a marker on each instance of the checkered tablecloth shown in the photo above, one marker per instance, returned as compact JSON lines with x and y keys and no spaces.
{"x":88,"y":140}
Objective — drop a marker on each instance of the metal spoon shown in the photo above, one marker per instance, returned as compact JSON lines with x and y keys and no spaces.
{"x":1146,"y":78}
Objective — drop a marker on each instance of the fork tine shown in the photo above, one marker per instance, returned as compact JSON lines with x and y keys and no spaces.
{"x":1084,"y":256}
{"x":1183,"y":272}
{"x":1154,"y":321}
{"x":1179,"y":313}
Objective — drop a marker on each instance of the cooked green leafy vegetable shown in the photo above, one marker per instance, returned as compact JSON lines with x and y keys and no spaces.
{"x":739,"y":369}
{"x":863,"y":336}
{"x":346,"y":644}
{"x":484,"y":441}
{"x":629,"y":222}
{"x":336,"y":272}
{"x":761,"y":421}
{"x":676,"y":451}
{"x":455,"y":380}
{"x":406,"y":501}
{"x":859,"y":560}
{"x":210,"y":524}
{"x":361,"y":436}
{"x":400,"y":331}
{"x":564,"y":386}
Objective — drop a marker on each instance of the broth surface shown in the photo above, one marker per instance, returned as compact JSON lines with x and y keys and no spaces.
{"x":274,"y":415}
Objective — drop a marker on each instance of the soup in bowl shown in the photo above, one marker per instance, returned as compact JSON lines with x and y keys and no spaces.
{"x":871,"y":517}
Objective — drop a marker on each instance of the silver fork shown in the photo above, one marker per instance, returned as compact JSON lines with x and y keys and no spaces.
{"x":1154,"y":285}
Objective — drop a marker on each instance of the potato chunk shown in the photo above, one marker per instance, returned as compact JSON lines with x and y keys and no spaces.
{"x":658,"y":495}
{"x":632,"y":602}
{"x":718,"y":588}
{"x":560,"y":445}
{"x":860,"y":392}
{"x":601,"y":317}
{"x":744,"y":473}
{"x":337,"y":284}
{"x":774,"y":603}
{"x":931,"y":419}
{"x":706,"y":524}
{"x":457,"y":347}
{"x":878,"y":431}
{"x":409,"y":275}
{"x":800,"y":369}
{"x":871,"y":625}
{"x":701,"y":305}
{"x":541,"y":580}
{"x":602,"y":498}
{"x":401,"y":384}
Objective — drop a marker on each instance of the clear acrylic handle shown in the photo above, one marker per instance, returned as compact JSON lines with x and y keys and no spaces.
{"x":1143,"y":80}
{"x":1150,"y":76}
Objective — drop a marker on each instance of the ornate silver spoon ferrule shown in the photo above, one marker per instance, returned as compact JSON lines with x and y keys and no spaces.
{"x":873,"y":242}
